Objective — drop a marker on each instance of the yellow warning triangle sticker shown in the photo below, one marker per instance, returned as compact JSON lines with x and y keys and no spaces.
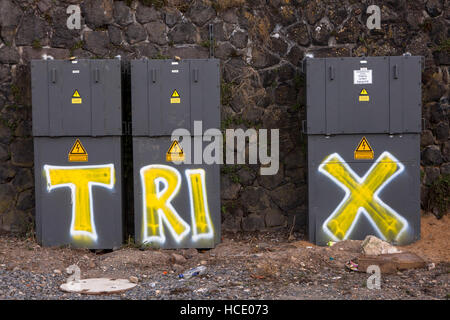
{"x":364,"y":145}
{"x":175,"y":94}
{"x":78,"y":152}
{"x":175,"y":153}
{"x":175,"y":148}
{"x":363,"y":150}
{"x":363,"y":91}
{"x":76,"y":98}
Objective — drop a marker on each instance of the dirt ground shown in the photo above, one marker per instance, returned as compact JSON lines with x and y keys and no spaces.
{"x":434,"y":243}
{"x":244,"y":266}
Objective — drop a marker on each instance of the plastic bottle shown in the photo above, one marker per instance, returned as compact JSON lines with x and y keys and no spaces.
{"x":198,"y":271}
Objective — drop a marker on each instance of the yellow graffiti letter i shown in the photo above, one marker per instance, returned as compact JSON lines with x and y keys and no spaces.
{"x":201,"y":220}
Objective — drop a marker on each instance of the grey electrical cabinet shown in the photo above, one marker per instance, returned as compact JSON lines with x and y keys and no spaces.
{"x":176,"y":193}
{"x":77,"y":129}
{"x":363,"y":121}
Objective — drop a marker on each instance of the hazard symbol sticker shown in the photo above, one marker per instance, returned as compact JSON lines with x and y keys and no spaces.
{"x":78,"y":152}
{"x":364,"y":150}
{"x":175,"y":98}
{"x":175,"y":153}
{"x":76,"y":98}
{"x":364,"y":96}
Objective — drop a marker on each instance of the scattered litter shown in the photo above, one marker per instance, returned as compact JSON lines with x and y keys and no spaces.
{"x":308,"y":247}
{"x":431,"y":266}
{"x":153,"y":284}
{"x":331,"y":243}
{"x":331,"y":258}
{"x":198,"y":271}
{"x":57,"y":271}
{"x":351,"y":265}
{"x":165,"y":272}
{"x":336,"y":278}
{"x":201,"y":290}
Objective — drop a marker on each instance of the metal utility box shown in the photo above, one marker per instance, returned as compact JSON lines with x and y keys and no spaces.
{"x":176,"y":194}
{"x":363,"y":125}
{"x":77,"y":129}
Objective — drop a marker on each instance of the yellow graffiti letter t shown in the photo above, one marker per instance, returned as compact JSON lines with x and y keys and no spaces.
{"x":80,"y":180}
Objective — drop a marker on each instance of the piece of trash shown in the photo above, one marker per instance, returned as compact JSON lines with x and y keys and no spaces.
{"x":198,"y":271}
{"x":308,"y":247}
{"x":331,"y":243}
{"x":133,"y":279}
{"x":431,"y":266}
{"x":201,"y":290}
{"x":391,"y":263}
{"x":331,"y":258}
{"x":351,"y":265}
{"x":336,"y":278}
{"x":165,"y":272}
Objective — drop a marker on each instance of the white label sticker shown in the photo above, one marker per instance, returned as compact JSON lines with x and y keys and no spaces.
{"x":362,"y":76}
{"x":75,"y":71}
{"x":174,"y":71}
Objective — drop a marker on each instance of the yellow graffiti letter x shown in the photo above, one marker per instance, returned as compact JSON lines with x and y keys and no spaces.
{"x":362,"y":197}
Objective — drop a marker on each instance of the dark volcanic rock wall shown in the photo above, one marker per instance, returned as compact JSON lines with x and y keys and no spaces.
{"x":260,"y":44}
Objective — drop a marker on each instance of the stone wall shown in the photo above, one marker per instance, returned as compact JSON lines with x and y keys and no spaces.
{"x":260,"y":44}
